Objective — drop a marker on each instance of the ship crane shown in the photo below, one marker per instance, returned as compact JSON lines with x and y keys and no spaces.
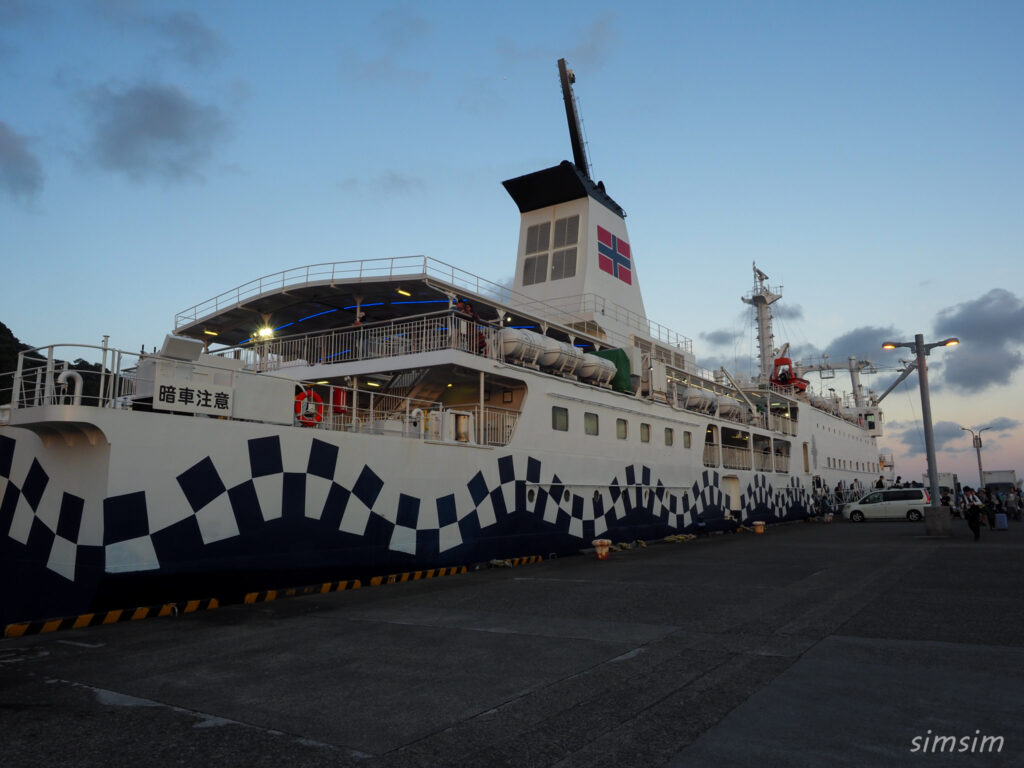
{"x":856,"y":366}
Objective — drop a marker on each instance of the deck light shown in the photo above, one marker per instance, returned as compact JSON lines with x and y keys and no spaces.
{"x":266,"y":332}
{"x":210,"y":333}
{"x":404,"y":293}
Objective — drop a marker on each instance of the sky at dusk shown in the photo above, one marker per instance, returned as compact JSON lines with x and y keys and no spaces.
{"x":867,"y":156}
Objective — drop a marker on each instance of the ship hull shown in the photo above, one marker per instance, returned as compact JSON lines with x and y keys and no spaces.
{"x":105,"y":509}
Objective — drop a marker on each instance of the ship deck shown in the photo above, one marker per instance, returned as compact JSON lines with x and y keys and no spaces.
{"x":811,"y":645}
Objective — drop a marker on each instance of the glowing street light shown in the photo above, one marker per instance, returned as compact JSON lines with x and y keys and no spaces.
{"x":921,"y":350}
{"x":977,"y":447}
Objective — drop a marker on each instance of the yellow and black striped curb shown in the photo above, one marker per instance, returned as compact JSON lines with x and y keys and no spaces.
{"x":191,"y":606}
{"x":396,"y":578}
{"x":108,"y":617}
{"x":316,"y":589}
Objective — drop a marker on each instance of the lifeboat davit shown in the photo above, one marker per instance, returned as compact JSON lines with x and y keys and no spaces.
{"x":783,"y":375}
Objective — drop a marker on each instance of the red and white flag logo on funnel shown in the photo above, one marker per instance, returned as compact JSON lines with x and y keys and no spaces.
{"x":613,"y":256}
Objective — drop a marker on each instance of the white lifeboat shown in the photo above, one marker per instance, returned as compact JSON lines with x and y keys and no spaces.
{"x":560,"y":356}
{"x":697,"y":399}
{"x":596,"y":369}
{"x":729,"y":407}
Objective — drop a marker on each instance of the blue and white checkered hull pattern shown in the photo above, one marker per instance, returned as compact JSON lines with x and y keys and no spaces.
{"x":223,"y":503}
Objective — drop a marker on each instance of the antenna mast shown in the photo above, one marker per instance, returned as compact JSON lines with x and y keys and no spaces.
{"x":579,"y":156}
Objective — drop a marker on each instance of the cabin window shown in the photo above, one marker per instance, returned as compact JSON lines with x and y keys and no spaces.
{"x":686,"y":439}
{"x":559,"y":418}
{"x":535,"y":269}
{"x":669,"y":437}
{"x":590,"y":423}
{"x":645,"y":433}
{"x":621,"y":429}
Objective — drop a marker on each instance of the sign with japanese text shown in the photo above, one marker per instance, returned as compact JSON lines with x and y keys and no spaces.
{"x":193,"y":395}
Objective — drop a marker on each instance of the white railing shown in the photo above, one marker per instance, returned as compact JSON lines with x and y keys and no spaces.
{"x":710,"y":454}
{"x":763,"y":461}
{"x":735,"y":458}
{"x":44,"y":379}
{"x":428,"y":333}
{"x":425,"y":267}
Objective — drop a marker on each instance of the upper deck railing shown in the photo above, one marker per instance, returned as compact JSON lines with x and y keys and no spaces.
{"x":566,"y":311}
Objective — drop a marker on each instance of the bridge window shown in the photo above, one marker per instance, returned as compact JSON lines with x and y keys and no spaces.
{"x":669,"y":437}
{"x":621,"y":429}
{"x":590,"y":423}
{"x":645,"y":433}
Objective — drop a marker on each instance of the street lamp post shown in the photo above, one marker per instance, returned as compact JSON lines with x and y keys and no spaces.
{"x":921,"y":350}
{"x":977,"y":447}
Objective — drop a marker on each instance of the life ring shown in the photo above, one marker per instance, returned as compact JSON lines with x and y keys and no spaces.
{"x":309,"y":419}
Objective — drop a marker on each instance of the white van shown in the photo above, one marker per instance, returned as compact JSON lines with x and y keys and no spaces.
{"x":898,"y":503}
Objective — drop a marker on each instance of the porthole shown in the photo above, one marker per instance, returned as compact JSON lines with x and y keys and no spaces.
{"x":531,"y":494}
{"x":565,"y":495}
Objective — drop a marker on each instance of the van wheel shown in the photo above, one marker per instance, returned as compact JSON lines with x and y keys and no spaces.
{"x":913,"y":515}
{"x":857,"y":516}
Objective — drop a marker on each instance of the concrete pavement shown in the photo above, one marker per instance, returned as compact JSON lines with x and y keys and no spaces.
{"x":811,"y":645}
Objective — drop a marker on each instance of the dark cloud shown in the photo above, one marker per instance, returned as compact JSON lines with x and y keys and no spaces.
{"x":989,"y":329}
{"x":787,"y":311}
{"x":864,"y":343}
{"x":945,"y":433}
{"x":1003,"y":424}
{"x":188,"y":38}
{"x":721,"y":338}
{"x":153,"y":130}
{"x":21,"y":174}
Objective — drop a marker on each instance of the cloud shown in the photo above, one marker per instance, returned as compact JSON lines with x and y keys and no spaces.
{"x":21,"y":174}
{"x":597,"y":43}
{"x":188,"y":38}
{"x":911,"y":436}
{"x":721,"y":338}
{"x":1003,"y":424}
{"x":391,"y":183}
{"x":787,"y":311}
{"x":153,"y":130}
{"x":989,"y":328}
{"x":864,"y":343}
{"x":184,"y":34}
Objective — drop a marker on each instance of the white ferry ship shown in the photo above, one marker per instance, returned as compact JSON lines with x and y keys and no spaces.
{"x":378,"y":416}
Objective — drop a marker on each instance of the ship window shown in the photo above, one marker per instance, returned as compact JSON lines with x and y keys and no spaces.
{"x":590,"y":423}
{"x":559,"y":418}
{"x":538,"y":238}
{"x":567,"y":231}
{"x":563,"y":264}
{"x":621,"y":429}
{"x":686,"y":439}
{"x":535,"y":269}
{"x":645,"y":433}
{"x":669,"y":437}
